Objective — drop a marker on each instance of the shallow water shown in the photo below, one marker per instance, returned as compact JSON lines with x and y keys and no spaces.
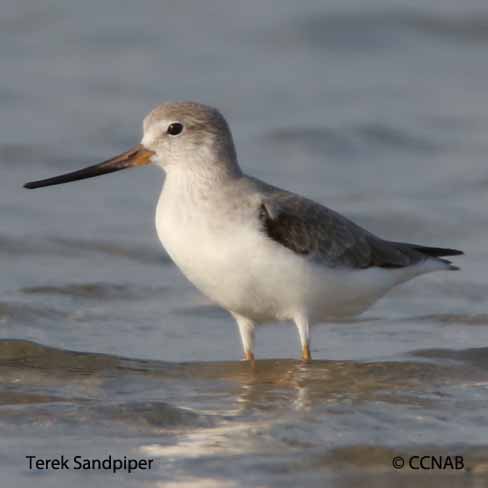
{"x":376,"y":109}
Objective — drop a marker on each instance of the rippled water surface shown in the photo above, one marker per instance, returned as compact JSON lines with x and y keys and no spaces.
{"x":377,"y":109}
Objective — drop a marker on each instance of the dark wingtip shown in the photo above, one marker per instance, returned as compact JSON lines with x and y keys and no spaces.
{"x":437,"y":251}
{"x":454,"y":252}
{"x":29,"y":186}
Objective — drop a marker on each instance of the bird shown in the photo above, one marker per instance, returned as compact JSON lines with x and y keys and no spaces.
{"x":260,"y":252}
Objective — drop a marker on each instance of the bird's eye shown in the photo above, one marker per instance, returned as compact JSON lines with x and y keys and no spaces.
{"x":175,"y":128}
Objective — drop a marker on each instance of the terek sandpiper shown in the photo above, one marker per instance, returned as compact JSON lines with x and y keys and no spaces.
{"x":260,"y":252}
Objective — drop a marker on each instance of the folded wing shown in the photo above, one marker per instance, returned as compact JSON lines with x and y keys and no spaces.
{"x":319,"y":233}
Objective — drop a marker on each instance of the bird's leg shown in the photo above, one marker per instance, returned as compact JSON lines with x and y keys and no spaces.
{"x":306,"y":354}
{"x":246,"y":330}
{"x":303,"y":327}
{"x":248,"y":356}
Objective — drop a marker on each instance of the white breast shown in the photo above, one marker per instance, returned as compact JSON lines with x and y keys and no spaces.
{"x":198,"y":241}
{"x":223,"y":253}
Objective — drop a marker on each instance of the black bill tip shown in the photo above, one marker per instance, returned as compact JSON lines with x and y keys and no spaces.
{"x":136,"y":156}
{"x":31,"y":185}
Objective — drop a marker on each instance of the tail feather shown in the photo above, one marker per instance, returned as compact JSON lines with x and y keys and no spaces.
{"x":450,"y":266}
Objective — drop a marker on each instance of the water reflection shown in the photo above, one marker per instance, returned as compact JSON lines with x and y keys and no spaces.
{"x":241,"y":388}
{"x":278,"y":415}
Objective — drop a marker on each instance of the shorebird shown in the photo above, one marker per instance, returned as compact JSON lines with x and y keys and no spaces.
{"x":260,"y":252}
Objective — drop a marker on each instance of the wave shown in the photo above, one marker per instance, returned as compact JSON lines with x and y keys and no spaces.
{"x":380,"y":29}
{"x":96,"y":291}
{"x":355,"y":138}
{"x":58,"y":246}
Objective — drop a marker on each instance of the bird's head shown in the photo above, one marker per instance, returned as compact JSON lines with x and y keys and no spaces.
{"x":182,"y":136}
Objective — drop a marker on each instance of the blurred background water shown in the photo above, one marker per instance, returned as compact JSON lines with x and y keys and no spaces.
{"x":375,"y":108}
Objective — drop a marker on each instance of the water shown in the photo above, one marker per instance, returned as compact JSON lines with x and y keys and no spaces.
{"x":376,"y":109}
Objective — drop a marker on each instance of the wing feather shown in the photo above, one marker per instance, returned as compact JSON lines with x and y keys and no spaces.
{"x":319,"y":233}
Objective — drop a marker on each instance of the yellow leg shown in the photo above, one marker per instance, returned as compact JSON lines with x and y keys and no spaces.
{"x":246,"y":331}
{"x":248,"y":356}
{"x":301,"y":321}
{"x":306,"y":355}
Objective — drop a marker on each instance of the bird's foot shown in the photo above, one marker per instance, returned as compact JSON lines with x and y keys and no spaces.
{"x":306,"y":354}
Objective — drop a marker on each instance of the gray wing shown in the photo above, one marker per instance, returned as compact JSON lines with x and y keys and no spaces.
{"x":319,"y":233}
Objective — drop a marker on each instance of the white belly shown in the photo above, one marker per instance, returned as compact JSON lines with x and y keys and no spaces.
{"x":224,"y":262}
{"x":243,"y":271}
{"x":238,"y":267}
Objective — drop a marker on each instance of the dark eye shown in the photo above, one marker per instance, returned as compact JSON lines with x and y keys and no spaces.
{"x":174,"y":129}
